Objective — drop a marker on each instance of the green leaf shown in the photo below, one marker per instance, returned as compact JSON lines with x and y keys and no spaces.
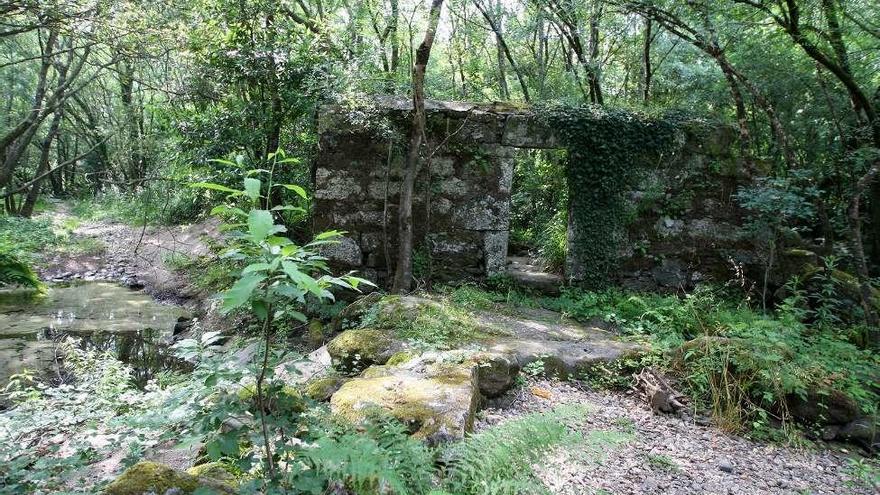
{"x":330,"y":234}
{"x":214,"y":187}
{"x":241,"y":291}
{"x":260,"y":309}
{"x":223,"y":162}
{"x":252,"y":188}
{"x":298,"y":316}
{"x":302,"y":280}
{"x":297,"y":189}
{"x":256,"y":267}
{"x":228,"y":210}
{"x":261,"y":225}
{"x":288,"y":208}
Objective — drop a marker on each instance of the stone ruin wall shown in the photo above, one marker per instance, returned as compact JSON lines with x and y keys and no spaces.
{"x":461,"y":204}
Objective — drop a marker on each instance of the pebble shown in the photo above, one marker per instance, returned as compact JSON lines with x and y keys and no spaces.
{"x":707,"y":460}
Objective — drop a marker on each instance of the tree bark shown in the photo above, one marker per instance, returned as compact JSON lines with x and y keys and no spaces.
{"x":403,"y":270}
{"x":646,"y":59}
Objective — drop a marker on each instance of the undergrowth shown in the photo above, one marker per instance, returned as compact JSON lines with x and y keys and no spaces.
{"x":743,"y":365}
{"x":499,"y":460}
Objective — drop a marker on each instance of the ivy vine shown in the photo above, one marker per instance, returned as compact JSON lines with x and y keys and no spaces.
{"x":607,"y":150}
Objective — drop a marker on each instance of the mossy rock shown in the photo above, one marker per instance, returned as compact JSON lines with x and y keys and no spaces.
{"x":400,"y":358}
{"x":351,"y":315}
{"x":356,"y":349}
{"x":322,"y":388}
{"x":148,"y":477}
{"x":436,"y":403}
{"x":214,"y":471}
{"x":278,"y":397}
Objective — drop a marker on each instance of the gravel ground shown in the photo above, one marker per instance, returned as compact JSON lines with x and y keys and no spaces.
{"x":668,"y":455}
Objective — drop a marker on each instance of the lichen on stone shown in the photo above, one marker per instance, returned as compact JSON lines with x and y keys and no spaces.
{"x":360,"y":347}
{"x":400,"y":358}
{"x":214,"y":471}
{"x":436,"y":404}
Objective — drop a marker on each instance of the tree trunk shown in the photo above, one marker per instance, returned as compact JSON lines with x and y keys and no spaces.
{"x":403,"y":270}
{"x":13,"y":143}
{"x":646,"y":59}
{"x":27,"y":208}
{"x":504,"y":53}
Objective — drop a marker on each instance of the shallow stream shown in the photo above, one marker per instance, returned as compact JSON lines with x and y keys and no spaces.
{"x":96,"y":315}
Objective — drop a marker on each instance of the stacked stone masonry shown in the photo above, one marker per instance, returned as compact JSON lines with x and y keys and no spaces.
{"x":461,"y":207}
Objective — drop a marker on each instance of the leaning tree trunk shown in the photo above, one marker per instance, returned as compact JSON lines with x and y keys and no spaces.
{"x":403,"y":270}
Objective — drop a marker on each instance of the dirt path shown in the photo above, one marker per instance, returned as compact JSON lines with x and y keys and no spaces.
{"x":667,"y":455}
{"x":134,"y":256}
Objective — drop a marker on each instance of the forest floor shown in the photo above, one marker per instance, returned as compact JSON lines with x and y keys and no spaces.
{"x":665,"y":454}
{"x":669,"y":455}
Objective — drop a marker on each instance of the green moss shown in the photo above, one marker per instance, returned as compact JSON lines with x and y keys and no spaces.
{"x":424,"y":404}
{"x":214,"y":471}
{"x":400,"y":358}
{"x":146,"y":477}
{"x":320,"y":389}
{"x":357,"y":348}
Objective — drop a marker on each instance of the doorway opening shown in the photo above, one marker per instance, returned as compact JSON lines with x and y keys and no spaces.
{"x":537,"y":245}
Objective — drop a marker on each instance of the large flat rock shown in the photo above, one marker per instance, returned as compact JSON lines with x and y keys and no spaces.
{"x":566,"y":348}
{"x":437,"y":392}
{"x":434,"y":396}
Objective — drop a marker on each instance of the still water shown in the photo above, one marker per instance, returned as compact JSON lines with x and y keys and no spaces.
{"x":97,"y":315}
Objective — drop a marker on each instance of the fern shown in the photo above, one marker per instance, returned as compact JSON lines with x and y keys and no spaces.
{"x":16,"y":272}
{"x":383,"y":459}
{"x":498,"y":461}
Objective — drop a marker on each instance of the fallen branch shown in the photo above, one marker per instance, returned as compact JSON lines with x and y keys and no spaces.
{"x":657,"y":392}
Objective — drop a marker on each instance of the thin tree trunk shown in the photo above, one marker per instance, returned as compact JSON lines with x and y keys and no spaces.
{"x":403,"y":271}
{"x":646,"y":59}
{"x":27,"y":208}
{"x":504,"y":49}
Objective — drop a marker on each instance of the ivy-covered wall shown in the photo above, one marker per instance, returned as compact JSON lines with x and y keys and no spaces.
{"x":626,"y":173}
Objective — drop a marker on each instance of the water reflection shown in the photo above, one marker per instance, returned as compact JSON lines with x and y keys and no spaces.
{"x":99,"y":316}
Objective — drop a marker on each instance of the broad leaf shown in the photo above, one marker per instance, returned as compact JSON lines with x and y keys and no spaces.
{"x":330,"y":234}
{"x":256,"y":267}
{"x":241,"y":291}
{"x":252,"y":188}
{"x":261,"y":225}
{"x":297,"y":189}
{"x":214,"y":187}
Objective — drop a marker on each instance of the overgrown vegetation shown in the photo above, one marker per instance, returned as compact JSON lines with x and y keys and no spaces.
{"x":499,"y":461}
{"x":731,"y":359}
{"x":601,"y":174}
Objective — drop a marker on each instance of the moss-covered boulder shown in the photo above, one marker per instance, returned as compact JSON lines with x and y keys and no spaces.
{"x":153,"y":478}
{"x":358,"y":348}
{"x":436,"y":399}
{"x":322,"y":388}
{"x":214,"y":471}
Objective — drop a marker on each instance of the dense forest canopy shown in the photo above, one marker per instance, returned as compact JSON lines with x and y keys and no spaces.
{"x":133,"y":116}
{"x":139,"y":96}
